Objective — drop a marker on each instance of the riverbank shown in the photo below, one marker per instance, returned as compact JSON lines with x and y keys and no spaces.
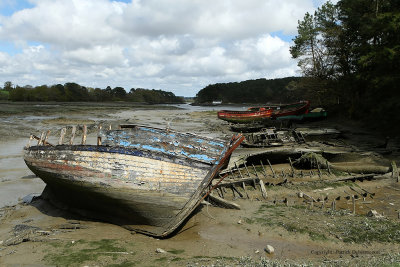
{"x":37,"y":233}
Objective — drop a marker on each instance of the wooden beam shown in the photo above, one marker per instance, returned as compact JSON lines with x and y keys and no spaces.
{"x":222,"y":202}
{"x":71,"y":141}
{"x":62,"y":134}
{"x":84,"y":134}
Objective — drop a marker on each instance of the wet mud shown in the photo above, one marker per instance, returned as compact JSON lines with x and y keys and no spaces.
{"x":38,"y":233}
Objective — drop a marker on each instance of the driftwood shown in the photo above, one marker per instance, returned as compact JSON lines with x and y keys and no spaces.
{"x":222,"y":202}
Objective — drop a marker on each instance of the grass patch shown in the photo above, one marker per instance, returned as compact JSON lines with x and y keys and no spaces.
{"x":323,"y":225}
{"x":124,"y":264}
{"x":162,"y":259}
{"x":370,"y":229}
{"x":177,"y":259}
{"x":176,"y":251}
{"x":74,"y":254}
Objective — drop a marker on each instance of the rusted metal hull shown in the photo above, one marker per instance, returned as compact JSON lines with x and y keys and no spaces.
{"x":141,"y":189}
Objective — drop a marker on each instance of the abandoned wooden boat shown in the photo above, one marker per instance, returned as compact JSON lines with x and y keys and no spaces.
{"x":291,"y":109}
{"x":271,"y":137}
{"x":251,"y":115}
{"x":146,"y":179}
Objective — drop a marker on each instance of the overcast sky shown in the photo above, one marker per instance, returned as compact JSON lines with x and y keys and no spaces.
{"x":174,"y":45}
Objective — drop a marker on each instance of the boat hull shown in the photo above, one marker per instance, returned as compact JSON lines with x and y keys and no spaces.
{"x":311,"y":116}
{"x":152,"y":195}
{"x":291,"y":109}
{"x":244,"y":116}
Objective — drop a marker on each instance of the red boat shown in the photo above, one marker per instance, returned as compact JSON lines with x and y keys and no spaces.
{"x":246,"y":116}
{"x":291,"y":109}
{"x":257,"y":114}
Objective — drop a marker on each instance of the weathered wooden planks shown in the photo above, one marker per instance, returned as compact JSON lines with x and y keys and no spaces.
{"x":143,"y":178}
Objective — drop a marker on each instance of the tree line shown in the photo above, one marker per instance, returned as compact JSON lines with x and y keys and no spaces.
{"x":73,"y":92}
{"x":251,"y":91}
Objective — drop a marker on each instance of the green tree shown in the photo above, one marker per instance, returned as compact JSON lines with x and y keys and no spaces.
{"x":8,"y":86}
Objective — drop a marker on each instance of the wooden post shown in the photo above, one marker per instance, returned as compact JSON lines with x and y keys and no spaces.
{"x":395,"y":171}
{"x":319,"y":170}
{"x":40,"y":141}
{"x":255,"y":172}
{"x":262,"y":165}
{"x":334,"y":205}
{"x":273,"y":172}
{"x":247,"y":170}
{"x":245,"y":190}
{"x":62,"y":134}
{"x":237,"y":191}
{"x":219,"y":194}
{"x":263,"y":190}
{"x":46,"y":137}
{"x":84,"y":133}
{"x":71,"y":141}
{"x":354,"y":204}
{"x":30,"y":140}
{"x":233,"y":192}
{"x":109,"y":128}
{"x":99,"y":137}
{"x":328,"y":167}
{"x":291,"y":167}
{"x":241,"y":176}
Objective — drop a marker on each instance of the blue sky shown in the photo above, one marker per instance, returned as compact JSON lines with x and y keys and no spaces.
{"x":175,"y":45}
{"x":8,"y":7}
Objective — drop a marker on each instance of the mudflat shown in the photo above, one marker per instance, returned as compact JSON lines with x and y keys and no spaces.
{"x":37,"y":233}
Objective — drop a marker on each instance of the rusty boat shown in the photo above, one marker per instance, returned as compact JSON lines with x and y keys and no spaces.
{"x":264,"y":114}
{"x":145,"y":179}
{"x":251,"y":115}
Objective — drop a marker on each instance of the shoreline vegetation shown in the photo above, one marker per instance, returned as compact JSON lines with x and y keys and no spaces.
{"x":73,"y":92}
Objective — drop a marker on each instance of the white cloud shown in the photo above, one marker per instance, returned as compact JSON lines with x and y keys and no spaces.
{"x":175,"y":45}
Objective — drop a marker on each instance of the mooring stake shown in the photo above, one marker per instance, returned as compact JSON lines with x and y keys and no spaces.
{"x":273,"y":172}
{"x":262,"y":165}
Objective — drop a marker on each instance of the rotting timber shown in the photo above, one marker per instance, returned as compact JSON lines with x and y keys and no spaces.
{"x":146,"y":179}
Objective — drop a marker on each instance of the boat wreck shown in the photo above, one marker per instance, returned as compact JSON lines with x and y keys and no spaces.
{"x":250,"y":115}
{"x":265,"y":113}
{"x":145,"y":179}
